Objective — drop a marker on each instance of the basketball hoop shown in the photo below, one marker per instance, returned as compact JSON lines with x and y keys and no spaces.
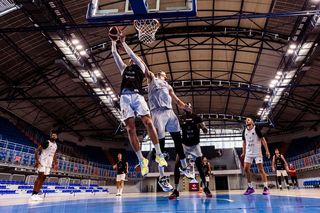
{"x":147,"y":29}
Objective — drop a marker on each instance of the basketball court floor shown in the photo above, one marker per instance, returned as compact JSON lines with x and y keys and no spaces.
{"x":232,"y":201}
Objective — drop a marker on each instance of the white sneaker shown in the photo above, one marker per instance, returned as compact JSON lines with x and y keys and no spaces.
{"x":36,"y":198}
{"x":186,"y":172}
{"x":165,"y":185}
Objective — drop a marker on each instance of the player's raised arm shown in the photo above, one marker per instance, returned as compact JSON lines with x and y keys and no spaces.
{"x":137,"y":60}
{"x":178,"y":101}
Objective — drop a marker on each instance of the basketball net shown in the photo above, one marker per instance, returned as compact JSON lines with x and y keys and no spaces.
{"x":147,"y":29}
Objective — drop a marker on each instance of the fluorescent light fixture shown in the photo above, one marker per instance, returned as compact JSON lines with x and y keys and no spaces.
{"x":293,"y":46}
{"x":97,"y":73}
{"x":277,"y":77}
{"x":113,"y":95}
{"x":261,"y":109}
{"x":115,"y":99}
{"x":279,"y":73}
{"x":108,"y":89}
{"x":266,"y":99}
{"x":267,"y":96}
{"x":272,"y":85}
{"x":83,"y":52}
{"x":274,"y":81}
{"x":79,"y":47}
{"x":290,"y":51}
{"x":75,"y":41}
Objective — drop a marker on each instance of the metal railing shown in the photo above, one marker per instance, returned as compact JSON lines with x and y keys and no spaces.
{"x":17,"y":155}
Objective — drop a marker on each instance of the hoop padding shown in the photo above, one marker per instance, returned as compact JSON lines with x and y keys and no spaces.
{"x":147,"y":29}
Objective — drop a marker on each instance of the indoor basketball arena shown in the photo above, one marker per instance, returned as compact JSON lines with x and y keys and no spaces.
{"x":159,"y":106}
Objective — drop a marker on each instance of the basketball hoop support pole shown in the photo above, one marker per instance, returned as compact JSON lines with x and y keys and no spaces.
{"x":139,"y":7}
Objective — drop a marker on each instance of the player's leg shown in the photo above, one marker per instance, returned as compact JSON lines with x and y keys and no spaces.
{"x":159,"y":122}
{"x":263,"y":176}
{"x":247,"y":166}
{"x":173,"y":127}
{"x":175,"y":193}
{"x":134,"y":141}
{"x":285,"y":176}
{"x":195,"y":152}
{"x":122,"y":183}
{"x":141,"y":108}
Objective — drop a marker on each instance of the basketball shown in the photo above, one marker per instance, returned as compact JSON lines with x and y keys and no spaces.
{"x":114,"y":33}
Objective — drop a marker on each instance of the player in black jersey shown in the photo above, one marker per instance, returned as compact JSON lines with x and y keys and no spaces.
{"x":191,"y":125}
{"x":122,"y":169}
{"x":132,"y":102}
{"x":280,"y":166}
{"x":206,"y":170}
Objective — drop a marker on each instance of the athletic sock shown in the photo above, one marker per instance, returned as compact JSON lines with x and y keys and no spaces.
{"x":161,"y":171}
{"x":280,"y":186}
{"x":250,"y":185}
{"x":121,"y":190}
{"x":34,"y":193}
{"x":157,"y":148}
{"x":183,"y":163}
{"x":139,"y":155}
{"x":265,"y":184}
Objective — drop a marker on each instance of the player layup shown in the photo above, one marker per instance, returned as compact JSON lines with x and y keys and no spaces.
{"x":251,"y":150}
{"x":161,"y":95}
{"x":132,"y":102}
{"x":44,"y":163}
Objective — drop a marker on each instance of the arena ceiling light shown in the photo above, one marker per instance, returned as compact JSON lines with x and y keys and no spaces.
{"x":7,"y":7}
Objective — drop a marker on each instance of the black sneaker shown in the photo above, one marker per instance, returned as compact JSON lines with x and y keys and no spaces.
{"x":207,"y":192}
{"x":174,"y":195}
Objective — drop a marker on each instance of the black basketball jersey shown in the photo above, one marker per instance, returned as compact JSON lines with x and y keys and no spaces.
{"x":121,"y":167}
{"x":205,"y":167}
{"x":279,"y":163}
{"x":190,"y":130}
{"x":132,"y":79}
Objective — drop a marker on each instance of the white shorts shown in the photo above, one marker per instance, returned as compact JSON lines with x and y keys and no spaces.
{"x":165,"y":120}
{"x":282,"y":172}
{"x":121,"y":177}
{"x":44,"y":169}
{"x":207,"y":179}
{"x":194,"y":151}
{"x":133,"y":105}
{"x":257,"y":159}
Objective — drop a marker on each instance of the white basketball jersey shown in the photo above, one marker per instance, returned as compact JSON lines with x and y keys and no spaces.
{"x":158,"y":94}
{"x":46,"y":157}
{"x":253,"y":143}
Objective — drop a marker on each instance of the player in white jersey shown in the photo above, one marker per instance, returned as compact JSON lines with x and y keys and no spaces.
{"x":251,"y":150}
{"x":44,"y":163}
{"x":161,"y":95}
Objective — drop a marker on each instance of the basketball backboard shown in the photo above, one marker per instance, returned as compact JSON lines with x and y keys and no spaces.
{"x":125,"y":11}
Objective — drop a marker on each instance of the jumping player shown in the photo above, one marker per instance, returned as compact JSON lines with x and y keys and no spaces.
{"x":191,"y":125}
{"x":44,"y":162}
{"x":280,"y":166}
{"x":122,"y":169}
{"x":251,"y":150}
{"x":132,"y":103}
{"x":161,"y":95}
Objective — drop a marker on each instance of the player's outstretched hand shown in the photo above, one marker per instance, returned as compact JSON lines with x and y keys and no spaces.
{"x":268,"y":155}
{"x":122,"y":37}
